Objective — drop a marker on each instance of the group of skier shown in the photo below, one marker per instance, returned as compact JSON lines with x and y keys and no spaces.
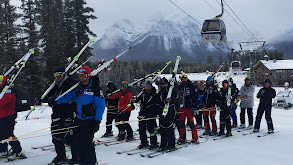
{"x":77,"y":115}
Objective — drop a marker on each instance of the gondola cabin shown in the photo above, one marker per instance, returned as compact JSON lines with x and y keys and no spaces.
{"x":236,"y":66}
{"x":214,"y":30}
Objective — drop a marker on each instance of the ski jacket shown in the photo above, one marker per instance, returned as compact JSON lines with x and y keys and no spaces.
{"x":89,"y":100}
{"x":210,"y":95}
{"x":149,"y":103}
{"x":64,"y":110}
{"x":124,"y":100}
{"x":266,"y":95}
{"x":112,"y":103}
{"x":169,"y":120}
{"x":249,"y":92}
{"x":188,"y":95}
{"x":7,"y":104}
{"x":221,"y":99}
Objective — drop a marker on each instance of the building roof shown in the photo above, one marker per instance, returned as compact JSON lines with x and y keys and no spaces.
{"x":276,"y":64}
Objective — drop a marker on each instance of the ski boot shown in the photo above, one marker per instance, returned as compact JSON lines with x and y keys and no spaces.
{"x":207,"y":132}
{"x":250,"y":127}
{"x":171,"y":148}
{"x":242,"y":126}
{"x":198,"y":126}
{"x":228,"y":134}
{"x":214,"y":133}
{"x":255,"y":130}
{"x":141,"y":146}
{"x":162,"y":148}
{"x":4,"y":154}
{"x":120,"y":137}
{"x":221,"y":133}
{"x":270,"y":131}
{"x":16,"y":156}
{"x":153,"y":146}
{"x":194,"y":141}
{"x":234,"y":126}
{"x":72,"y":162}
{"x":129,"y":138}
{"x":181,"y":141}
{"x":107,"y":134}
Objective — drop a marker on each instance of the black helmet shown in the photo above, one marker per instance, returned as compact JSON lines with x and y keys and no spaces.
{"x":111,"y":84}
{"x":164,"y":81}
{"x":267,"y":81}
{"x":60,"y":69}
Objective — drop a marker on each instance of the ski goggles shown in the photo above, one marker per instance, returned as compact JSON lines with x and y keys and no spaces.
{"x":59,"y":74}
{"x":81,"y":71}
{"x":224,"y":84}
{"x":183,"y":76}
{"x":124,"y":85}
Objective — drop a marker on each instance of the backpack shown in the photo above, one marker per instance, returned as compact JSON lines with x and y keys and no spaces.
{"x":23,"y":100}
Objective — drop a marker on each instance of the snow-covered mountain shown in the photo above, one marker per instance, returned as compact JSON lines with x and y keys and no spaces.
{"x":159,"y":40}
{"x":283,"y":43}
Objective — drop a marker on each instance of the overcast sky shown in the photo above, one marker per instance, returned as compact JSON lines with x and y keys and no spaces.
{"x":264,"y":18}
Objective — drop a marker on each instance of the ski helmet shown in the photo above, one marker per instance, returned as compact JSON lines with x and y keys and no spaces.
{"x":85,"y":70}
{"x":148,"y":82}
{"x":3,"y":80}
{"x":183,"y":75}
{"x":124,"y":83}
{"x":111,"y":84}
{"x":210,"y":78}
{"x":59,"y":71}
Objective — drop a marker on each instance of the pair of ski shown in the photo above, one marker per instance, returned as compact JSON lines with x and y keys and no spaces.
{"x":259,"y":135}
{"x":158,"y":153}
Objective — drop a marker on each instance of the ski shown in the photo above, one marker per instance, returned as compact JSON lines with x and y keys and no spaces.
{"x":267,"y":134}
{"x":243,"y":130}
{"x":172,"y":85}
{"x":39,"y":147}
{"x":126,"y":151}
{"x":168,"y":151}
{"x":250,"y":133}
{"x":19,"y":67}
{"x":118,"y":142}
{"x":96,"y":71}
{"x":223,"y":137}
{"x":139,"y":152}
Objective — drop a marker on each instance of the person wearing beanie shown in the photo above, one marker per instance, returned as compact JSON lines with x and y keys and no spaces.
{"x":149,"y":108}
{"x":209,"y":101}
{"x":246,"y":96}
{"x":225,"y":118}
{"x":265,"y":94}
{"x":233,"y":106}
{"x":112,"y":109}
{"x":8,"y":115}
{"x":188,"y":101}
{"x":61,"y":117}
{"x":124,"y":110}
{"x":90,"y":105}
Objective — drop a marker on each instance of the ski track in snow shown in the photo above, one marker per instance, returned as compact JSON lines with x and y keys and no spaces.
{"x":240,"y":150}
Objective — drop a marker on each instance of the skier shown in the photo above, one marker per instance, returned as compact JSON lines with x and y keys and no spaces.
{"x":188,"y":102}
{"x":225,"y":121}
{"x":124,"y":111}
{"x":265,"y":94}
{"x":199,"y":114}
{"x":246,"y":96}
{"x":90,"y":103}
{"x":209,"y":101}
{"x":112,"y":106}
{"x":62,"y":116}
{"x":234,"y":94}
{"x":149,"y":107}
{"x":168,"y":122}
{"x":8,"y":115}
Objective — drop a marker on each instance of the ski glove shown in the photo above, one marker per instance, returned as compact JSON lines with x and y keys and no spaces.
{"x":96,"y":125}
{"x":51,"y":101}
{"x":38,"y":101}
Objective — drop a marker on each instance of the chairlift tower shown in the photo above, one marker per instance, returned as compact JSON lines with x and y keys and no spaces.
{"x":252,"y":54}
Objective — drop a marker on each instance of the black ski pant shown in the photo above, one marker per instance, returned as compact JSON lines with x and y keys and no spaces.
{"x":225,"y":120}
{"x":249,"y":113}
{"x":167,"y":137}
{"x":260,"y":111}
{"x":111,"y":116}
{"x":83,"y":139}
{"x":62,"y":136}
{"x":123,"y":128}
{"x":149,"y":125}
{"x":6,"y":131}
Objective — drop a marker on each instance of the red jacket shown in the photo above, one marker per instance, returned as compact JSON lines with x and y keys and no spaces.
{"x":124,"y":100}
{"x":7,"y":104}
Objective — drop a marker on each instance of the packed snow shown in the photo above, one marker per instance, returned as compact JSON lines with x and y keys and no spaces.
{"x":238,"y":149}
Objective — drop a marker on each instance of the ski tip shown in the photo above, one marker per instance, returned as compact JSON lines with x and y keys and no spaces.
{"x":92,"y":40}
{"x":168,"y":62}
{"x":32,"y":51}
{"x":179,"y":57}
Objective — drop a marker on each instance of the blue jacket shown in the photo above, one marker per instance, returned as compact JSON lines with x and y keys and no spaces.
{"x":89,"y":100}
{"x":188,"y":95}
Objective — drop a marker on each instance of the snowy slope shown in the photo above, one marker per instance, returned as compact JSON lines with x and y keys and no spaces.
{"x":239,"y":149}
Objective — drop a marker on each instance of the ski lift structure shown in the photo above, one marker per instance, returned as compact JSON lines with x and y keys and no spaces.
{"x":236,"y":66}
{"x":214,"y":30}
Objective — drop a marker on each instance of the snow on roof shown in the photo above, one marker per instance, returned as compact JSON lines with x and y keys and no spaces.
{"x":278,"y":64}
